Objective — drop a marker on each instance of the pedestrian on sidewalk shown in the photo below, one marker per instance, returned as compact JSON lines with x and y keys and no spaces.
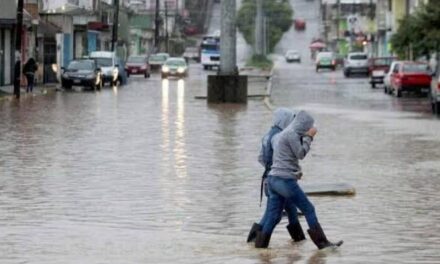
{"x":282,"y":117}
{"x":290,"y":146}
{"x":29,"y":70}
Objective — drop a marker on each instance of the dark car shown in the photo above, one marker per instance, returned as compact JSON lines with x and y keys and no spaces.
{"x":137,"y":65}
{"x":377,"y":69}
{"x":82,"y":73}
{"x":300,"y":24}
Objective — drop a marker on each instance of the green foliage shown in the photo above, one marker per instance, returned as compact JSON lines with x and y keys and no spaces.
{"x":279,"y":20}
{"x":260,"y":61}
{"x":418,"y":32}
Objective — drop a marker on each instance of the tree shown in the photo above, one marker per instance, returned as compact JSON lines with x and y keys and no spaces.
{"x":278,"y":15}
{"x":419,"y":33}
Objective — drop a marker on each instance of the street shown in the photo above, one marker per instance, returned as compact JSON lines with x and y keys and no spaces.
{"x":147,"y":173}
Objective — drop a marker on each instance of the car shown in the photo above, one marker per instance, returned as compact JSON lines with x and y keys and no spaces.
{"x":435,"y":93}
{"x":410,"y":76}
{"x":293,"y":56}
{"x":325,"y":60}
{"x":387,"y":78}
{"x":191,"y":53}
{"x":108,"y":62}
{"x":137,"y":64}
{"x":300,"y":24}
{"x":83,"y":72}
{"x":157,"y":60}
{"x":175,"y":66}
{"x":377,"y":69}
{"x":356,"y":62}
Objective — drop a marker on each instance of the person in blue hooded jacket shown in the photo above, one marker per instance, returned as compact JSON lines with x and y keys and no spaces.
{"x":282,"y":117}
{"x":290,"y":146}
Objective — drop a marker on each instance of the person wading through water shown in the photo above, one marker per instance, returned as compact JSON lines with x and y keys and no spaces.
{"x":29,"y":70}
{"x":290,"y":146}
{"x":282,"y":117}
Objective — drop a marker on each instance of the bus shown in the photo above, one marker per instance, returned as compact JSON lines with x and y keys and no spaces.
{"x":210,"y":51}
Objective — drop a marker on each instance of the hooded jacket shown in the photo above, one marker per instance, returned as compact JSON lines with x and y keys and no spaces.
{"x":282,"y":117}
{"x":290,"y":146}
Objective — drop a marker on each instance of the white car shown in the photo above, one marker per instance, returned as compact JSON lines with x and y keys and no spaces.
{"x":109,"y":65}
{"x":387,"y":78}
{"x":356,"y":62}
{"x":293,"y":56}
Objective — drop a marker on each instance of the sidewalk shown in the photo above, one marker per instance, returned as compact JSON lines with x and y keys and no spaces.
{"x":41,"y":89}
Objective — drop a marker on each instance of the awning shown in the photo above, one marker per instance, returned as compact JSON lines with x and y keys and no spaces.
{"x":317,"y":45}
{"x":47,"y":29}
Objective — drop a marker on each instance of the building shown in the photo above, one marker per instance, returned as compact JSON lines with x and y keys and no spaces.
{"x":7,"y":46}
{"x":349,"y":24}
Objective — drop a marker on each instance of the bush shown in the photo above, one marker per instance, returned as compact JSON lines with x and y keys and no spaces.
{"x":260,"y":61}
{"x":278,"y":16}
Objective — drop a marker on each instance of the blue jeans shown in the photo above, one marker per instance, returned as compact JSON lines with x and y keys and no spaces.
{"x":280,"y":191}
{"x":289,"y":207}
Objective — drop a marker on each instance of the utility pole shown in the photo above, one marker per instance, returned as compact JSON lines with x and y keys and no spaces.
{"x":228,"y":41}
{"x":156,"y":27}
{"x":227,"y":86}
{"x":166,"y":27}
{"x":259,"y":27}
{"x":18,"y":31}
{"x":115,"y":25}
{"x":338,"y":21}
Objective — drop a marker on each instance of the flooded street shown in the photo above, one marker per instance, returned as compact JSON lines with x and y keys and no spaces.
{"x":146,"y":173}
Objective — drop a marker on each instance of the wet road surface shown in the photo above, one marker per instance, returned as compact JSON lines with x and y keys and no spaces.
{"x":147,"y":174}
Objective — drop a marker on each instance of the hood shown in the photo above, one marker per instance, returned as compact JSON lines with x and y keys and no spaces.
{"x":302,"y":123}
{"x":282,"y":117}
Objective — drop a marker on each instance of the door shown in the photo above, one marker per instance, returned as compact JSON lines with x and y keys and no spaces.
{"x":7,"y":78}
{"x":2,"y":58}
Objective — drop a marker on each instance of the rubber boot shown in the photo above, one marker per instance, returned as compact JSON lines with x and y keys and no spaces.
{"x":253,"y":233}
{"x":262,"y":240}
{"x":296,"y":231}
{"x":318,"y":237}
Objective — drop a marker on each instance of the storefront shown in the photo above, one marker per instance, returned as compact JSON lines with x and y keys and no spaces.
{"x":7,"y":24}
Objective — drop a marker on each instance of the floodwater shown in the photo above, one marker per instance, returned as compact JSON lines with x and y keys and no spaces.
{"x":147,"y":174}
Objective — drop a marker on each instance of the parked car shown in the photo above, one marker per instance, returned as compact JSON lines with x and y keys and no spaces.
{"x":137,"y":65}
{"x":387,"y":78}
{"x":410,"y":76}
{"x":377,"y":69}
{"x":108,"y":62}
{"x":157,"y":60}
{"x":300,"y":24}
{"x":325,"y":60}
{"x":83,"y":72}
{"x":175,"y":67}
{"x":435,"y":93}
{"x":191,"y":53}
{"x":293,"y":56}
{"x":356,"y":62}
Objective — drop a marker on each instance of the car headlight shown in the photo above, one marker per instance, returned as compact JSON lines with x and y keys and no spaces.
{"x":165,"y":69}
{"x":180,"y":70}
{"x":144,"y":67}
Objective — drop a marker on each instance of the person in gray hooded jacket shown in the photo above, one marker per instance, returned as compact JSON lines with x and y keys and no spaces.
{"x":282,"y":117}
{"x":290,"y":146}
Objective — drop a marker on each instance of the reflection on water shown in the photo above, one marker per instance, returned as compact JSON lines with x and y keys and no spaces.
{"x":179,"y":150}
